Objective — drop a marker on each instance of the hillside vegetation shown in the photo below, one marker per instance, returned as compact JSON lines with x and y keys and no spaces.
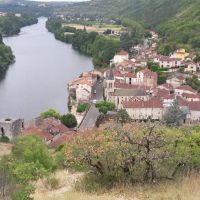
{"x":176,"y":21}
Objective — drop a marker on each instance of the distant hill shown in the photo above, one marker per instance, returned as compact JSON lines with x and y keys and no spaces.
{"x":177,"y":21}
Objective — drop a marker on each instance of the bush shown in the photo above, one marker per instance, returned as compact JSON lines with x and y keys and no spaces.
{"x":81,"y":107}
{"x":4,"y":139}
{"x":142,"y":153}
{"x":50,"y":113}
{"x":105,"y":106}
{"x":69,"y":120}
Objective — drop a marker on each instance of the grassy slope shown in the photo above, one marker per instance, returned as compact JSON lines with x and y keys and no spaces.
{"x":187,"y":189}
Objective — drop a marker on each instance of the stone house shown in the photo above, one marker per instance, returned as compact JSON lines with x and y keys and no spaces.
{"x":120,"y":57}
{"x":11,"y":127}
{"x":176,"y":81}
{"x":167,"y":62}
{"x":190,"y":67}
{"x":121,"y":95}
{"x":184,"y":89}
{"x":143,"y":110}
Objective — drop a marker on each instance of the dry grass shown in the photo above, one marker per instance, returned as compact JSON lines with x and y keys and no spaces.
{"x":96,"y":28}
{"x":4,"y":149}
{"x":187,"y":189}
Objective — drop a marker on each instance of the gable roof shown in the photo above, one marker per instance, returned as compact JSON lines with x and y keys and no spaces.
{"x":152,"y":103}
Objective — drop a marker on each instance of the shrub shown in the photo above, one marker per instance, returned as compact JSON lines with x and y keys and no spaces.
{"x":50,"y":113}
{"x":69,"y":120}
{"x":105,"y":106}
{"x":4,"y":139}
{"x":81,"y":107}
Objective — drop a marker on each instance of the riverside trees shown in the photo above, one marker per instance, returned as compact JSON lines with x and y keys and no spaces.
{"x":101,"y":48}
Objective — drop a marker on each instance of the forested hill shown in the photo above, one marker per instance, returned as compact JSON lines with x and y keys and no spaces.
{"x":147,"y":12}
{"x":177,"y":21}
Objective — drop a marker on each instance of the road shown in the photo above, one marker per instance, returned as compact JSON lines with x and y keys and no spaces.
{"x":90,"y":118}
{"x":98,"y":88}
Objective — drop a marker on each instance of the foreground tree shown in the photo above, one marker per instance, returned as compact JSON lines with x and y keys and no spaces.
{"x":133,"y":153}
{"x":174,"y":116}
{"x":29,"y":160}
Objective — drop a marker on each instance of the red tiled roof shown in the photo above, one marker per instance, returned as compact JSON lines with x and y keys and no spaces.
{"x":122,"y":53}
{"x":152,"y":103}
{"x":62,"y":139}
{"x":39,"y":133}
{"x":186,"y":88}
{"x":191,"y":95}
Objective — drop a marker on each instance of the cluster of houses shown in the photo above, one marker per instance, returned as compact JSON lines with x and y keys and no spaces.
{"x":130,"y":85}
{"x":80,"y":89}
{"x":49,"y":130}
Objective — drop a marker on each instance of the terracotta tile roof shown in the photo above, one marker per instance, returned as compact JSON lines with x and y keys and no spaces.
{"x":122,"y":53}
{"x":51,"y":125}
{"x":62,"y":139}
{"x":152,"y":103}
{"x":39,"y":133}
{"x":117,"y":73}
{"x":186,"y":88}
{"x":125,"y":86}
{"x":186,"y":95}
{"x":129,"y":92}
{"x":192,"y":105}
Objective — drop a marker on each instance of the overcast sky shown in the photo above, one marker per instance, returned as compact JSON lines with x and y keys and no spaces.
{"x":60,"y":0}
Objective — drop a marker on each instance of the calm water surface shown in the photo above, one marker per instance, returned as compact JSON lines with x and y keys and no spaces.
{"x":38,"y":79}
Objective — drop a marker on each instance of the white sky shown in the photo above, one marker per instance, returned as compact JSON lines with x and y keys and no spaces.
{"x":59,"y":0}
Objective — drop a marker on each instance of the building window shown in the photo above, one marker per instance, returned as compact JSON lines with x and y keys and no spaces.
{"x":2,"y":132}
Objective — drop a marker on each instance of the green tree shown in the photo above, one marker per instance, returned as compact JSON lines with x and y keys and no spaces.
{"x":105,"y":106}
{"x":69,"y":120}
{"x":123,"y":117}
{"x":50,"y":113}
{"x":174,"y":116}
{"x":140,"y":153}
{"x":29,"y":160}
{"x":81,"y":107}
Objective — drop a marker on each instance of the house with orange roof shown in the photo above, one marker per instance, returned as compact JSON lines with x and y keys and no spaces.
{"x":143,"y":110}
{"x":185,"y":89}
{"x":120,"y":57}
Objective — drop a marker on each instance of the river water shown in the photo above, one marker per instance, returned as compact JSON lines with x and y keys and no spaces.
{"x":38,"y":79}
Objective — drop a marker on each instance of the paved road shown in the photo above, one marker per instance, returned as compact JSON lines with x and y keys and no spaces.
{"x":90,"y":118}
{"x":98,"y":88}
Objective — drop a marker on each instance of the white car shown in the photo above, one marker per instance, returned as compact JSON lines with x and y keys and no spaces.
{"x":94,"y":101}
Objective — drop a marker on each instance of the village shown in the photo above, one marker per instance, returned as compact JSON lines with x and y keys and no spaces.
{"x":130,"y":84}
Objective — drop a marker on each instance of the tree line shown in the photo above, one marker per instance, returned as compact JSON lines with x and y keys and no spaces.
{"x":10,"y":25}
{"x":101,"y":48}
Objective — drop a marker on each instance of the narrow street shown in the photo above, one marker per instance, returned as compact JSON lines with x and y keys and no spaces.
{"x":90,"y":118}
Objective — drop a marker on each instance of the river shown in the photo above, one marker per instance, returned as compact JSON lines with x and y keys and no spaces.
{"x":38,"y":79}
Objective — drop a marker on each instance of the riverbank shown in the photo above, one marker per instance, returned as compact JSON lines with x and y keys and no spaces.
{"x":99,"y":47}
{"x":10,"y":24}
{"x":38,"y":79}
